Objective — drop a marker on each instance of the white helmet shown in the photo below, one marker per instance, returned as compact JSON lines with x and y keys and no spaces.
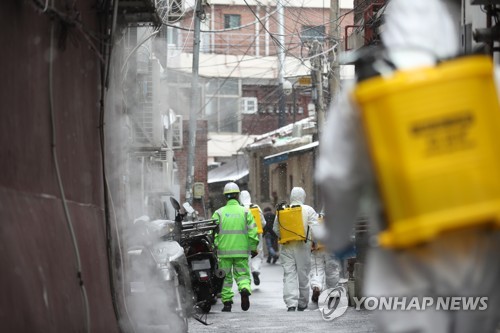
{"x":231,"y":188}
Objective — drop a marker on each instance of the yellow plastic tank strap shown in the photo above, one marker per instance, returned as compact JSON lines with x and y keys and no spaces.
{"x":432,"y":134}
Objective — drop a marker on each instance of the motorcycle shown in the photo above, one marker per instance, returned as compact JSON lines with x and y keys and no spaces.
{"x":196,"y":237}
{"x":157,"y":275}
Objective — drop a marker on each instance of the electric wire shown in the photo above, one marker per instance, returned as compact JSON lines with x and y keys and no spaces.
{"x":322,"y":54}
{"x":45,"y":8}
{"x":186,"y":39}
{"x":305,"y":238}
{"x":69,"y":222}
{"x":125,"y":62}
{"x":69,"y":21}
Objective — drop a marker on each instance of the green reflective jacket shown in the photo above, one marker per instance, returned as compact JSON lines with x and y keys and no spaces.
{"x":237,"y":234}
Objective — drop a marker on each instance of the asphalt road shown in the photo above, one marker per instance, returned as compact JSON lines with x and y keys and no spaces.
{"x":268,"y":313}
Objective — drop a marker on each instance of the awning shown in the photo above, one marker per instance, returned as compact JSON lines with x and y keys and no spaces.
{"x":231,"y":171}
{"x":283,"y":156}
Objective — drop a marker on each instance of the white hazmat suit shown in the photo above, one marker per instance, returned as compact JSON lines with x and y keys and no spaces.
{"x":325,"y":270}
{"x":460,"y":263}
{"x":296,"y":255}
{"x":255,"y":262}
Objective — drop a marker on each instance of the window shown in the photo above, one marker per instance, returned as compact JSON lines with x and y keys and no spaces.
{"x":172,"y":36}
{"x":177,"y":132}
{"x":311,"y":32}
{"x":232,"y":21}
{"x":249,"y":105}
{"x":223,"y":105}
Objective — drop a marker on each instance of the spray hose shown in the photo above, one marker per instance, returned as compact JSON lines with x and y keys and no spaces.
{"x":293,"y":232}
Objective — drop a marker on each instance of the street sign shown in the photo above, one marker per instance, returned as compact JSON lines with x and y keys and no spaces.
{"x":304,"y":81}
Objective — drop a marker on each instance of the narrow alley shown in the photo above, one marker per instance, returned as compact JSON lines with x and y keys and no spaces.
{"x":268,"y":313}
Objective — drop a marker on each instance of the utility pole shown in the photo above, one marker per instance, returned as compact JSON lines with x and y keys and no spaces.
{"x":195,"y":102}
{"x":281,"y":62}
{"x":334,"y":77}
{"x":317,"y":79}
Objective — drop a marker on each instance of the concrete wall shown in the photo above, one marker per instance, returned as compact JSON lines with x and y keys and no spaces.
{"x":297,"y":171}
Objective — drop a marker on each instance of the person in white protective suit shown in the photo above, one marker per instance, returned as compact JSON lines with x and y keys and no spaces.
{"x":296,"y":256}
{"x":255,"y":262}
{"x":325,"y":270}
{"x":458,"y":263}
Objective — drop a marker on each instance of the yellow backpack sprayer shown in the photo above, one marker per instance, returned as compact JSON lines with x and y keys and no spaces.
{"x":433,"y":138}
{"x":290,"y":223}
{"x":256,"y":216}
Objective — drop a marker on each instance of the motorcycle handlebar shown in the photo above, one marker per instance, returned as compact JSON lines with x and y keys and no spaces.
{"x":204,"y":228}
{"x":196,"y":223}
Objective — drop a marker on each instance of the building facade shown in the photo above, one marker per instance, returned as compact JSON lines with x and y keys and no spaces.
{"x":239,"y":69}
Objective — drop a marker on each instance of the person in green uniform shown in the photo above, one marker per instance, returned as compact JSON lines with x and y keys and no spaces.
{"x":235,"y":239}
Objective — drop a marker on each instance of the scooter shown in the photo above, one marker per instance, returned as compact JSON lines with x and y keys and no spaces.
{"x":157,"y":276}
{"x":196,"y":237}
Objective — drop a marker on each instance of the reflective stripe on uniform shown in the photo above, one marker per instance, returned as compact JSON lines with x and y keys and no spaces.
{"x":241,"y":278}
{"x":240,"y":269}
{"x":229,"y":252}
{"x":218,"y":213}
{"x":233,"y":232}
{"x":251,"y":226}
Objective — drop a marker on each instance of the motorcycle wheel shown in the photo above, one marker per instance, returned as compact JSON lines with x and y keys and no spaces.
{"x":204,"y":299}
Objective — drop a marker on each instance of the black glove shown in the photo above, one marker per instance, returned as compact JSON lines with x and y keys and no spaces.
{"x":254,"y":253}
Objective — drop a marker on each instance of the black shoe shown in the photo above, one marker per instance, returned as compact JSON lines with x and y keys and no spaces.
{"x":301,"y":308}
{"x":275,"y":259}
{"x":256,"y":279}
{"x":227,"y":307}
{"x":269,"y":259}
{"x":245,"y":301}
{"x":315,"y":295}
{"x":292,"y":308}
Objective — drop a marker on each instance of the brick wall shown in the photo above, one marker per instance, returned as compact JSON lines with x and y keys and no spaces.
{"x":243,"y":41}
{"x":200,"y":161}
{"x":266,"y":119}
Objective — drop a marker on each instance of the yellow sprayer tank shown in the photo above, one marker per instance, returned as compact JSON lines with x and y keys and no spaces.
{"x":256,"y":216}
{"x":434,"y":139}
{"x":291,"y":225}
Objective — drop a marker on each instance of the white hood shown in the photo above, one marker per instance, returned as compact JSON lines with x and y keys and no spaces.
{"x":245,"y":198}
{"x":297,"y":196}
{"x":414,"y":42}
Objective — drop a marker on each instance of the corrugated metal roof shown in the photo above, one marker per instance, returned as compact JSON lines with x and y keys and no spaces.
{"x":283,"y":156}
{"x":231,"y":171}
